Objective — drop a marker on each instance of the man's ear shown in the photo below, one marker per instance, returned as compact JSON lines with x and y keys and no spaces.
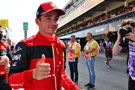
{"x":37,"y":21}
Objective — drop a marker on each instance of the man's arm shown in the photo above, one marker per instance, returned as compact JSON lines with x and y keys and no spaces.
{"x":19,"y":73}
{"x":78,"y":48}
{"x":92,"y":47}
{"x":89,"y":51}
{"x":67,"y":83}
{"x":117,"y":48}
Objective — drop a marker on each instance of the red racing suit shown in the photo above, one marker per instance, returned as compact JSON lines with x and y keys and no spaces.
{"x":25,"y":57}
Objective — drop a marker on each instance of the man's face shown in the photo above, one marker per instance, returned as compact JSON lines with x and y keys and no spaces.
{"x":72,"y":39}
{"x":107,"y":39}
{"x":89,"y":36}
{"x":48,"y":23}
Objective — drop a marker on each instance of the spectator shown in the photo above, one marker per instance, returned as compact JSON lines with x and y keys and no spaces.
{"x":101,"y":50}
{"x":73,"y":56}
{"x":108,"y":51}
{"x":91,"y":51}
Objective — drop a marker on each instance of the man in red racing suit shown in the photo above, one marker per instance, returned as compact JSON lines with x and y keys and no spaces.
{"x":38,"y":61}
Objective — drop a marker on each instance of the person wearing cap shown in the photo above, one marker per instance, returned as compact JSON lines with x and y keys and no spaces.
{"x":38,"y":61}
{"x":73,"y":56}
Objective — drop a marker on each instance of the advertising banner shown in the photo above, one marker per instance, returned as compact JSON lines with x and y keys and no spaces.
{"x":4,"y":23}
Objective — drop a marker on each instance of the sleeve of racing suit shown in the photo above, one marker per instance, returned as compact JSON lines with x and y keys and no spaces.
{"x":67,"y":83}
{"x":19,"y":73}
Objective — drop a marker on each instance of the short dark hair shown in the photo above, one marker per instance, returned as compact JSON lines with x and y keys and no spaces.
{"x":39,"y":17}
{"x":72,"y":35}
{"x":90,"y":34}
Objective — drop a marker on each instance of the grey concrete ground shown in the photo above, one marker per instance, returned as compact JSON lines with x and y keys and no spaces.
{"x":114,"y":78}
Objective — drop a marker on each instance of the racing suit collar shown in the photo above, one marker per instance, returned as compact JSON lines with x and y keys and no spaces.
{"x":54,"y":38}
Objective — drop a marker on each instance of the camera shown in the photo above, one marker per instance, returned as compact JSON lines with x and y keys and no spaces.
{"x":124,"y":31}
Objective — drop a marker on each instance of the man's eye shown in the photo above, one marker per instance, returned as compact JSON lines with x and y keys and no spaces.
{"x":48,"y":18}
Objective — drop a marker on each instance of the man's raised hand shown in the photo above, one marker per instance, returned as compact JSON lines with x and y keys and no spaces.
{"x":42,"y":69}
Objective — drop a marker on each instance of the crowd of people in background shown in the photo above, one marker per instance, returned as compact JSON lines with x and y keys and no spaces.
{"x":105,"y":16}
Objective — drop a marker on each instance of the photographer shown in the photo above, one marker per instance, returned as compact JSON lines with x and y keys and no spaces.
{"x":126,"y":38}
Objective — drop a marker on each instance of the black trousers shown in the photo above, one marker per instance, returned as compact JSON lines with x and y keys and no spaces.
{"x":4,"y":83}
{"x":131,"y":84}
{"x":74,"y":70}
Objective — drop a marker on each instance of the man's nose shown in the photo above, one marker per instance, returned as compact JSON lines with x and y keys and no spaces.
{"x":54,"y":22}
